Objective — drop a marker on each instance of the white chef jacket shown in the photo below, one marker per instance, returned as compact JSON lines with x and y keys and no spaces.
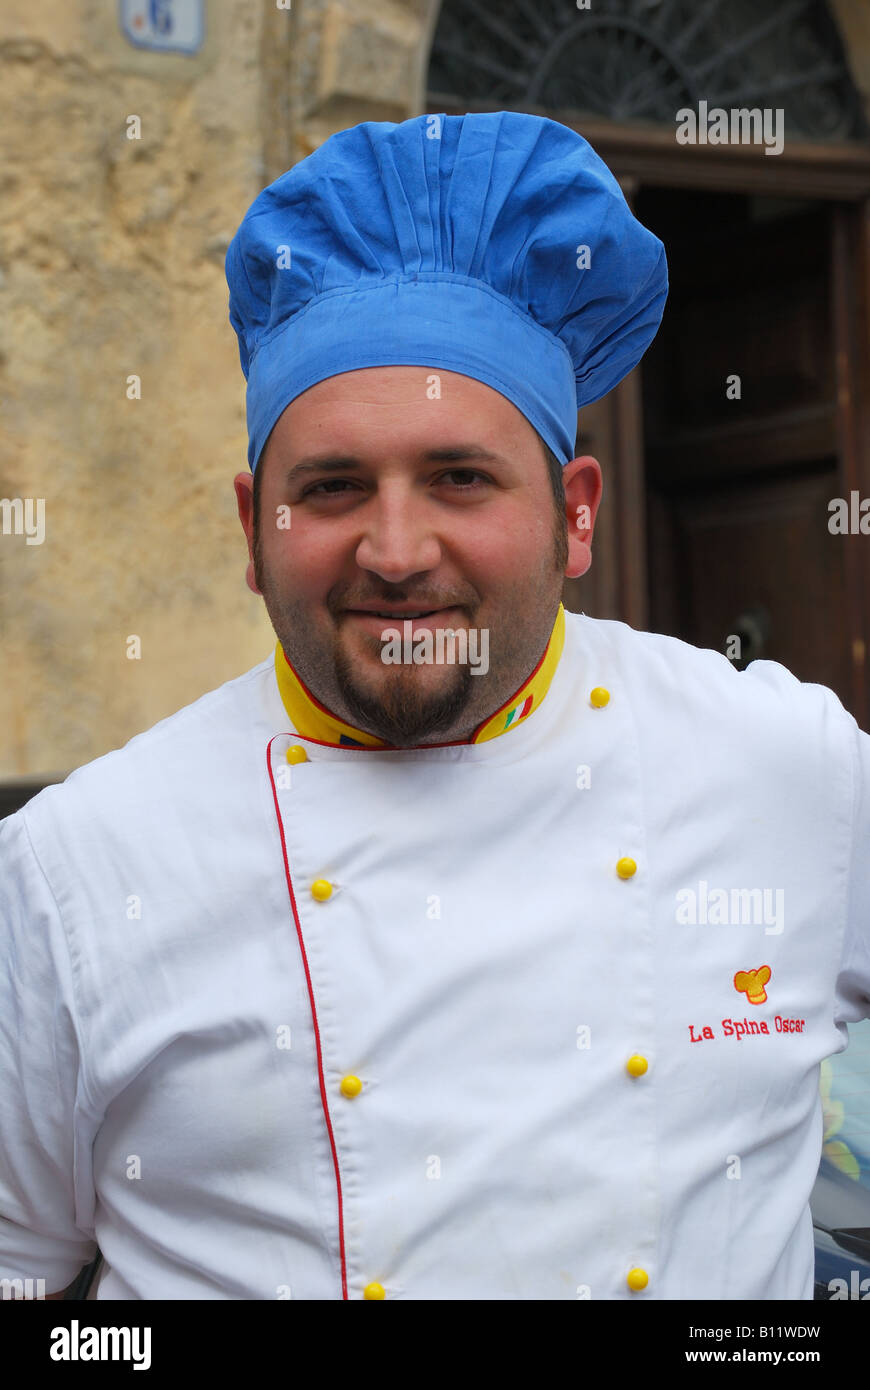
{"x":184,"y":1023}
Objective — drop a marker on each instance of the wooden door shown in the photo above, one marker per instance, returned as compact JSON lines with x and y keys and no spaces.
{"x":741,"y":440}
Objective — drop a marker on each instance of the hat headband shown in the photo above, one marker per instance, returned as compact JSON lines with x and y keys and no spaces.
{"x":430,"y":319}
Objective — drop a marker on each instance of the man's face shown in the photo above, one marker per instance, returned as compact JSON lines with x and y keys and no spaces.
{"x":399,"y":502}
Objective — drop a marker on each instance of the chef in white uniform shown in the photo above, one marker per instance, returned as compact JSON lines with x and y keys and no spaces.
{"x":502,"y":978}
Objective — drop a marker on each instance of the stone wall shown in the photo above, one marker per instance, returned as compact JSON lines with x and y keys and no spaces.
{"x":111,"y":258}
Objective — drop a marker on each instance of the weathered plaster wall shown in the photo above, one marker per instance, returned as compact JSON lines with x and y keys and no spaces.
{"x":111,"y":264}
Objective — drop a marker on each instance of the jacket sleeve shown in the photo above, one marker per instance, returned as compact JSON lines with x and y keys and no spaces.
{"x":40,"y":1079}
{"x":853,"y":983}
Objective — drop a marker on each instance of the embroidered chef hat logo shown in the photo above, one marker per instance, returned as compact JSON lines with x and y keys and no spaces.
{"x":752,"y":982}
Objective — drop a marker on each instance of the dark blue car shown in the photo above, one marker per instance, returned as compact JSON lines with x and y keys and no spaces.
{"x":840,"y":1199}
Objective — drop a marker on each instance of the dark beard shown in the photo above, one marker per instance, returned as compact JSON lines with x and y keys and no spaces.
{"x":404,"y":717}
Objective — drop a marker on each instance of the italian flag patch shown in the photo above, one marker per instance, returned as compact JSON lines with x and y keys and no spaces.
{"x":518,"y":712}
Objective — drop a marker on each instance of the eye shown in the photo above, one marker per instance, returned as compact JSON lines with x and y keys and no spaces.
{"x":330,"y":483}
{"x":480,"y":478}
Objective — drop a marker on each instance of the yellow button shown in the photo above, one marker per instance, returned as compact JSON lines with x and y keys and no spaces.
{"x":374,"y":1291}
{"x":625,"y":867}
{"x":297,"y":754}
{"x":321,"y":889}
{"x":636,"y":1065}
{"x":350,"y":1086}
{"x":599,"y":697}
{"x":637,"y":1279}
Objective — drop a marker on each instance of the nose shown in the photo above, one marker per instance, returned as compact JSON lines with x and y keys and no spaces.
{"x":398,"y":539}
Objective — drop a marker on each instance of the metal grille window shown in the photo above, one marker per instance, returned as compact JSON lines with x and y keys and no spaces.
{"x":643,"y":60}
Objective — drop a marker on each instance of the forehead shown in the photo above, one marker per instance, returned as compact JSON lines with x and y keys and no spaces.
{"x":408,"y":405}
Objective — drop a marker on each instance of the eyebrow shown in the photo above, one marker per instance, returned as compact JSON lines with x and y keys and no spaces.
{"x":327,"y":463}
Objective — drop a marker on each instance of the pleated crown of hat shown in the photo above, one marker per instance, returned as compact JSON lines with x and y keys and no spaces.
{"x":497,"y":245}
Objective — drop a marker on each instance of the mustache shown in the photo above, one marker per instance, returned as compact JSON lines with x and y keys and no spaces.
{"x":424,"y":604}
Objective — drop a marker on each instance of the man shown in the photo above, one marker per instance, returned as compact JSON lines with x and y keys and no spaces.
{"x":470,"y":949}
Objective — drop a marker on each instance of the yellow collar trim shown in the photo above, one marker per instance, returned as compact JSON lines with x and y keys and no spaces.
{"x":313,"y":720}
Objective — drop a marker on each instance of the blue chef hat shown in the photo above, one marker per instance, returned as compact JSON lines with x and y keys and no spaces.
{"x":497,"y":245}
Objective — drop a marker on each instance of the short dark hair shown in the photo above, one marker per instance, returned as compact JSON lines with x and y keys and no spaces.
{"x":557,"y":482}
{"x":258,"y":474}
{"x":554,"y":472}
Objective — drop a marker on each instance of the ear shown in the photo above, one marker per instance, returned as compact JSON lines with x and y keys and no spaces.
{"x":244,"y":486}
{"x":583,"y":487}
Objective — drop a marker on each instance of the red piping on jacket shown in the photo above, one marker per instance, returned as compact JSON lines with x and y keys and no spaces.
{"x":313,"y":1016}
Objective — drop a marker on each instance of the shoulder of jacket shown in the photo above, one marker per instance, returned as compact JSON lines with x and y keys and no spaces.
{"x":659,"y":669}
{"x":174,"y":750}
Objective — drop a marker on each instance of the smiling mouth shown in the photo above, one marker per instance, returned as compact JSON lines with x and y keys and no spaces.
{"x":377,"y":613}
{"x":419,"y":619}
